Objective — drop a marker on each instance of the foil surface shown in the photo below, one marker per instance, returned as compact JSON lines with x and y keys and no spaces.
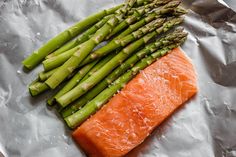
{"x":204,"y":127}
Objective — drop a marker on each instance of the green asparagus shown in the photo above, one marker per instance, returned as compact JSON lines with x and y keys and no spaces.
{"x":180,"y":11}
{"x":45,"y":75}
{"x":113,"y":63}
{"x":131,"y":11}
{"x":80,"y":75}
{"x":163,"y":10}
{"x":37,"y":56}
{"x":37,"y":88}
{"x":138,"y":13}
{"x":84,"y":49}
{"x":177,"y":12}
{"x":59,"y":60}
{"x":142,"y":2}
{"x":98,"y":66}
{"x":73,"y":81}
{"x":56,"y":61}
{"x":114,"y":44}
{"x":79,"y":40}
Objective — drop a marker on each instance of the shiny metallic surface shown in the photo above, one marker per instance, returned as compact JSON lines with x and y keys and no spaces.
{"x":203,"y":127}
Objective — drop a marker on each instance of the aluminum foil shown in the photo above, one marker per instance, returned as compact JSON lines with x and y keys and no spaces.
{"x":204,"y":127}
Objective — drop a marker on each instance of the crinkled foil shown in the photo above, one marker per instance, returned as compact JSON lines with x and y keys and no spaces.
{"x":204,"y":127}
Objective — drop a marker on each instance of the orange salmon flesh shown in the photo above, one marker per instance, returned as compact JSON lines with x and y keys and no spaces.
{"x":132,"y":114}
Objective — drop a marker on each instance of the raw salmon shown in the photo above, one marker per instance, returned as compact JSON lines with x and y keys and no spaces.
{"x":146,"y":101}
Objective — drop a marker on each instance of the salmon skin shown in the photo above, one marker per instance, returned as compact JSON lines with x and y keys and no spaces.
{"x":146,"y":101}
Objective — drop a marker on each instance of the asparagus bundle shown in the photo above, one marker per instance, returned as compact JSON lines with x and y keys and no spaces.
{"x":86,"y":35}
{"x":84,"y":49}
{"x":104,"y":50}
{"x":93,"y":74}
{"x":56,"y":61}
{"x":82,"y":88}
{"x":37,"y":56}
{"x":42,"y":86}
{"x":81,"y":75}
{"x":79,"y":40}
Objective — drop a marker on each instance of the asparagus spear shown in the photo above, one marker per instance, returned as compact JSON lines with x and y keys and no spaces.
{"x":141,"y":11}
{"x":86,"y":35}
{"x":171,"y":38}
{"x":37,"y":87}
{"x":77,"y":118}
{"x":79,"y":40}
{"x":159,"y":3}
{"x":136,"y":25}
{"x":163,"y":10}
{"x":45,"y":75}
{"x":84,"y":49}
{"x":180,"y":11}
{"x":85,"y":72}
{"x":37,"y":56}
{"x":60,"y":59}
{"x":142,"y":2}
{"x":82,"y":88}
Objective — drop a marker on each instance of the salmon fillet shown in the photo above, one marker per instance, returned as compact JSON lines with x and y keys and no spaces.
{"x":146,"y":101}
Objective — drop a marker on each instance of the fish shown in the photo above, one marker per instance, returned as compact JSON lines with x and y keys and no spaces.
{"x":142,"y":105}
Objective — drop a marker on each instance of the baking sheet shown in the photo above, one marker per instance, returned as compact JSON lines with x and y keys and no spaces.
{"x":204,"y":127}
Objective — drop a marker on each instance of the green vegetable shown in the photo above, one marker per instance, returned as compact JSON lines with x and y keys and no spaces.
{"x":37,"y":56}
{"x":37,"y":87}
{"x":79,"y":40}
{"x":45,"y":75}
{"x":74,"y":80}
{"x":85,"y":48}
{"x":117,"y":43}
{"x":82,"y":88}
{"x":85,"y":72}
{"x":138,"y":13}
